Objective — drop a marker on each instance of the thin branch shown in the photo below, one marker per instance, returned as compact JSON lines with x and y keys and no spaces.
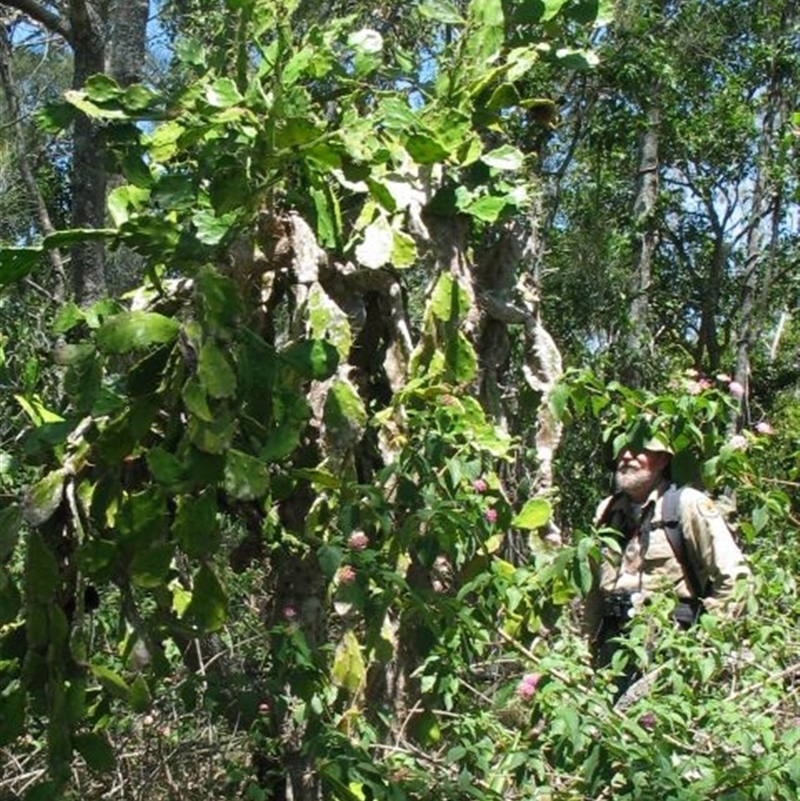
{"x":36,"y":11}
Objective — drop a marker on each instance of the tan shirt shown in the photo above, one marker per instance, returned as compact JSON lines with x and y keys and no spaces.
{"x":653,"y":566}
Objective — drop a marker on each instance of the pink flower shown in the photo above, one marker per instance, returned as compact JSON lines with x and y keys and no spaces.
{"x":765,"y":428}
{"x":647,"y":721}
{"x":738,"y":442}
{"x":723,"y":378}
{"x":479,"y":485}
{"x":736,"y":389}
{"x":263,"y":708}
{"x":347,"y":574}
{"x":694,"y":387}
{"x":358,"y":541}
{"x":491,"y":515}
{"x":705,"y":384}
{"x":527,"y":686}
{"x":691,"y":372}
{"x":289,"y":612}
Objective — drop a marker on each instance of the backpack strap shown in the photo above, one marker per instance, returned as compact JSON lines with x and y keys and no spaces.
{"x":671,"y":523}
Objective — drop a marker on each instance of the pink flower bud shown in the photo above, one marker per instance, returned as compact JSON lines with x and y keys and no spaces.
{"x":358,"y":541}
{"x":648,"y":721}
{"x":738,"y":442}
{"x":347,"y":574}
{"x":765,"y":428}
{"x":289,"y":612}
{"x":527,"y":686}
{"x":736,"y":389}
{"x":479,"y":485}
{"x":491,"y":515}
{"x":263,"y":708}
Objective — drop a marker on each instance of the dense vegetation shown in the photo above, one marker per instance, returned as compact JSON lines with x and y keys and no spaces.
{"x":318,"y":322}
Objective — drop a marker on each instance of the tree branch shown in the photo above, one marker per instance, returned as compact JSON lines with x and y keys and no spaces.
{"x":37,"y":12}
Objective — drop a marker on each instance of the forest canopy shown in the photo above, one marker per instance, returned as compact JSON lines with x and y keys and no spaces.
{"x":320,"y":324}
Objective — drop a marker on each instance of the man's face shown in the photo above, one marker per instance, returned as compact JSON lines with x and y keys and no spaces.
{"x":638,"y":472}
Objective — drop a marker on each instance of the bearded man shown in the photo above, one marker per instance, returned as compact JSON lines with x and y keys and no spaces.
{"x":673,"y":540}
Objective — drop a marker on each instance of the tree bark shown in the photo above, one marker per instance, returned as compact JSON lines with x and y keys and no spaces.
{"x":638,"y":340}
{"x":23,"y":161}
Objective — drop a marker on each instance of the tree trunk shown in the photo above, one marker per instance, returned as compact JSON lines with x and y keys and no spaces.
{"x":88,"y":180}
{"x":23,"y":161}
{"x":638,"y":340}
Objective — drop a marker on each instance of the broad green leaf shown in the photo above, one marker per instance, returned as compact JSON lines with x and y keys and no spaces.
{"x":195,"y":526}
{"x":164,"y":141}
{"x":195,"y":400}
{"x":208,"y":608}
{"x":404,"y":249}
{"x":215,"y":371}
{"x":330,"y":559}
{"x":344,"y":415}
{"x":135,"y":330}
{"x":10,"y":599}
{"x":111,"y":682}
{"x":211,"y":229}
{"x":486,"y":20}
{"x":96,"y":750}
{"x":82,"y":102}
{"x":126,"y":199}
{"x":12,"y":720}
{"x":376,"y":248}
{"x":138,"y":97}
{"x":140,"y":698}
{"x":219,"y":299}
{"x":164,"y":466}
{"x":349,"y":670}
{"x":328,"y":321}
{"x":68,"y":316}
{"x":42,"y":500}
{"x":533,"y":515}
{"x":461,"y":358}
{"x":150,"y":566}
{"x":101,"y":88}
{"x":213,"y":437}
{"x":449,"y":300}
{"x":10,"y":523}
{"x":246,"y":477}
{"x":424,"y":149}
{"x":16,"y":263}
{"x":223,"y":93}
{"x":312,"y":358}
{"x":487,"y":209}
{"x":441,"y":11}
{"x":504,"y":158}
{"x":72,"y":236}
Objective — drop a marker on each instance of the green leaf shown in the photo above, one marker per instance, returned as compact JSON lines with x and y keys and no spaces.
{"x":195,"y":526}
{"x":487,"y":208}
{"x":125,"y":200}
{"x":140,"y":698}
{"x":96,"y":750}
{"x":10,"y":599}
{"x":246,"y":477}
{"x":101,"y":88}
{"x":441,"y":11}
{"x":219,"y":299}
{"x":348,"y":669}
{"x":223,"y":93}
{"x":150,"y":566}
{"x":376,"y":248}
{"x":424,"y":149}
{"x":330,"y":558}
{"x":82,"y":102}
{"x":208,"y":608}
{"x":12,"y":719}
{"x":504,"y":158}
{"x":135,"y":330}
{"x":164,"y":466}
{"x":215,"y":371}
{"x":111,"y":682}
{"x":42,"y":500}
{"x":311,"y":358}
{"x":533,"y":515}
{"x":461,"y":358}
{"x":16,"y":263}
{"x":211,"y":229}
{"x":195,"y":400}
{"x":10,"y":522}
{"x":138,"y":97}
{"x":449,"y":300}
